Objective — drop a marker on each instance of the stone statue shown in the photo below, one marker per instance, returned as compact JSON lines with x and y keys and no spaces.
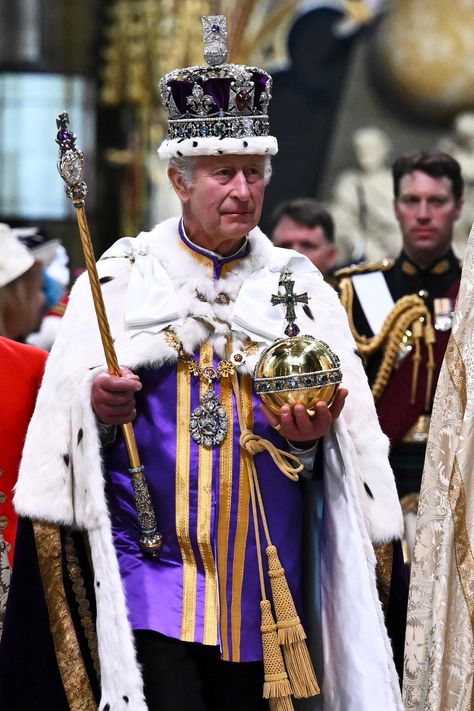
{"x":460,"y":144}
{"x":362,"y":205}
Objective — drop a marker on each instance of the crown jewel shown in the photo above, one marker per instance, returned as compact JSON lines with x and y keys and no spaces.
{"x":218,"y":108}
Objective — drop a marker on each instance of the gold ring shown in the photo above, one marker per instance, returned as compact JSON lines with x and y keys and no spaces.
{"x":277,"y":427}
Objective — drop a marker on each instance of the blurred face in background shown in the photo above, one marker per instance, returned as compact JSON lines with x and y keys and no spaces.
{"x":310,"y":241}
{"x":22,"y":303}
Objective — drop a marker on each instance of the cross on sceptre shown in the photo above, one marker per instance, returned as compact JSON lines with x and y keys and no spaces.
{"x":289,"y":299}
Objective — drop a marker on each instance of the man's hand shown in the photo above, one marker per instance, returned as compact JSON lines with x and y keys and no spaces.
{"x":113,"y":397}
{"x":296,"y":425}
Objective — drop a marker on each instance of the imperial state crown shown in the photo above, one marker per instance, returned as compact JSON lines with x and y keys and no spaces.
{"x":218,"y":108}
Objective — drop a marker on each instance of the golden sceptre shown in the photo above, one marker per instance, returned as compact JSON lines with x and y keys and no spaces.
{"x":70,"y":166}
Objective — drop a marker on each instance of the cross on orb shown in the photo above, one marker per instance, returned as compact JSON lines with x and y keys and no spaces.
{"x":289,"y":299}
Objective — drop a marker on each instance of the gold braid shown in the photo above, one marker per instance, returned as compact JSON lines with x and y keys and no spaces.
{"x":409,"y":312}
{"x":430,"y":339}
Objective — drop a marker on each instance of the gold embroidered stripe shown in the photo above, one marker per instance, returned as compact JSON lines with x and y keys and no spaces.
{"x":457,"y":494}
{"x":201,"y":258}
{"x":83,"y":605}
{"x":462,"y":547}
{"x":68,"y":653}
{"x":204,"y":523}
{"x":457,"y":371}
{"x":183,"y":414}
{"x":225,"y":503}
{"x":242,"y":526}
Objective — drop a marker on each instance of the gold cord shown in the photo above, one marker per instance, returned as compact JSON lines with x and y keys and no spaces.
{"x":257,"y":535}
{"x":409,"y":312}
{"x":254,"y":444}
{"x":288,"y":631}
{"x":430,"y":339}
{"x":276,"y":686}
{"x":417,"y":332}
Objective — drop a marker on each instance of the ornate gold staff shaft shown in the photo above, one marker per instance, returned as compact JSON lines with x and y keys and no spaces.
{"x":70,"y":166}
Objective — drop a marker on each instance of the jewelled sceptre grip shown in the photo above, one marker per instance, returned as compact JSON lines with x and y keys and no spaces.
{"x":70,"y":166}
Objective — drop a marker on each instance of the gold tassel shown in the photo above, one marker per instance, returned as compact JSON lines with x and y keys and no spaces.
{"x":417,"y":331}
{"x":430,"y":340}
{"x":291,"y":634}
{"x":276,"y":687}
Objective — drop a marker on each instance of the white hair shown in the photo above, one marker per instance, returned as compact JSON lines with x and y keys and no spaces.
{"x":185,"y":166}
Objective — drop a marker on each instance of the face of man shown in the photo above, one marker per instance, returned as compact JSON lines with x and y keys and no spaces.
{"x":310,"y":241}
{"x":223,"y":202}
{"x":426,"y":210}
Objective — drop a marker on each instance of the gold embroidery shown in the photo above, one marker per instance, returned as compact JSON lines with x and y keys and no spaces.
{"x":70,"y":662}
{"x":462,"y":547}
{"x":409,"y":503}
{"x":79,"y":589}
{"x":225,"y":503}
{"x":408,"y":268}
{"x":250,"y":347}
{"x":383,"y":571}
{"x":242,"y":527}
{"x":441,"y":268}
{"x":363,"y":268}
{"x":207,"y":261}
{"x":457,"y":495}
{"x":201,"y":258}
{"x":204,"y":521}
{"x":183,"y":446}
{"x":457,"y":370}
{"x":226,"y":268}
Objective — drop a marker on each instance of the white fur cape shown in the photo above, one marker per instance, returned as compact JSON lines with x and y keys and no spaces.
{"x":61,"y":479}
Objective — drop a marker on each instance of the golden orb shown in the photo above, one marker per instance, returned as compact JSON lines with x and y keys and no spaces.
{"x":294,"y":370}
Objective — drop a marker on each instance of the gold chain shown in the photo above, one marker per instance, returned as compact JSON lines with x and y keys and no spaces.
{"x":224,"y":368}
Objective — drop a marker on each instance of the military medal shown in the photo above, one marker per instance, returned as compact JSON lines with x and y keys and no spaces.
{"x":443,"y":313}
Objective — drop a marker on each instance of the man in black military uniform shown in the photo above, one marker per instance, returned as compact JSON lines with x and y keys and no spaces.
{"x":304,"y":225}
{"x":401,"y":310}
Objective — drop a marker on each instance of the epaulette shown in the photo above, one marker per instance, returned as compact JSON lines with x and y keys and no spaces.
{"x":382,"y":265}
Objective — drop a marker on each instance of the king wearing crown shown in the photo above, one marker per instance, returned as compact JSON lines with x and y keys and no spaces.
{"x":261,"y":510}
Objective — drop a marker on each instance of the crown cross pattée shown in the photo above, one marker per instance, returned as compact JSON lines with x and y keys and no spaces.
{"x":289,"y":299}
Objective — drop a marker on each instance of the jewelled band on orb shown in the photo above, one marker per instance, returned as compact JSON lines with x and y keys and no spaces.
{"x":298,"y":382}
